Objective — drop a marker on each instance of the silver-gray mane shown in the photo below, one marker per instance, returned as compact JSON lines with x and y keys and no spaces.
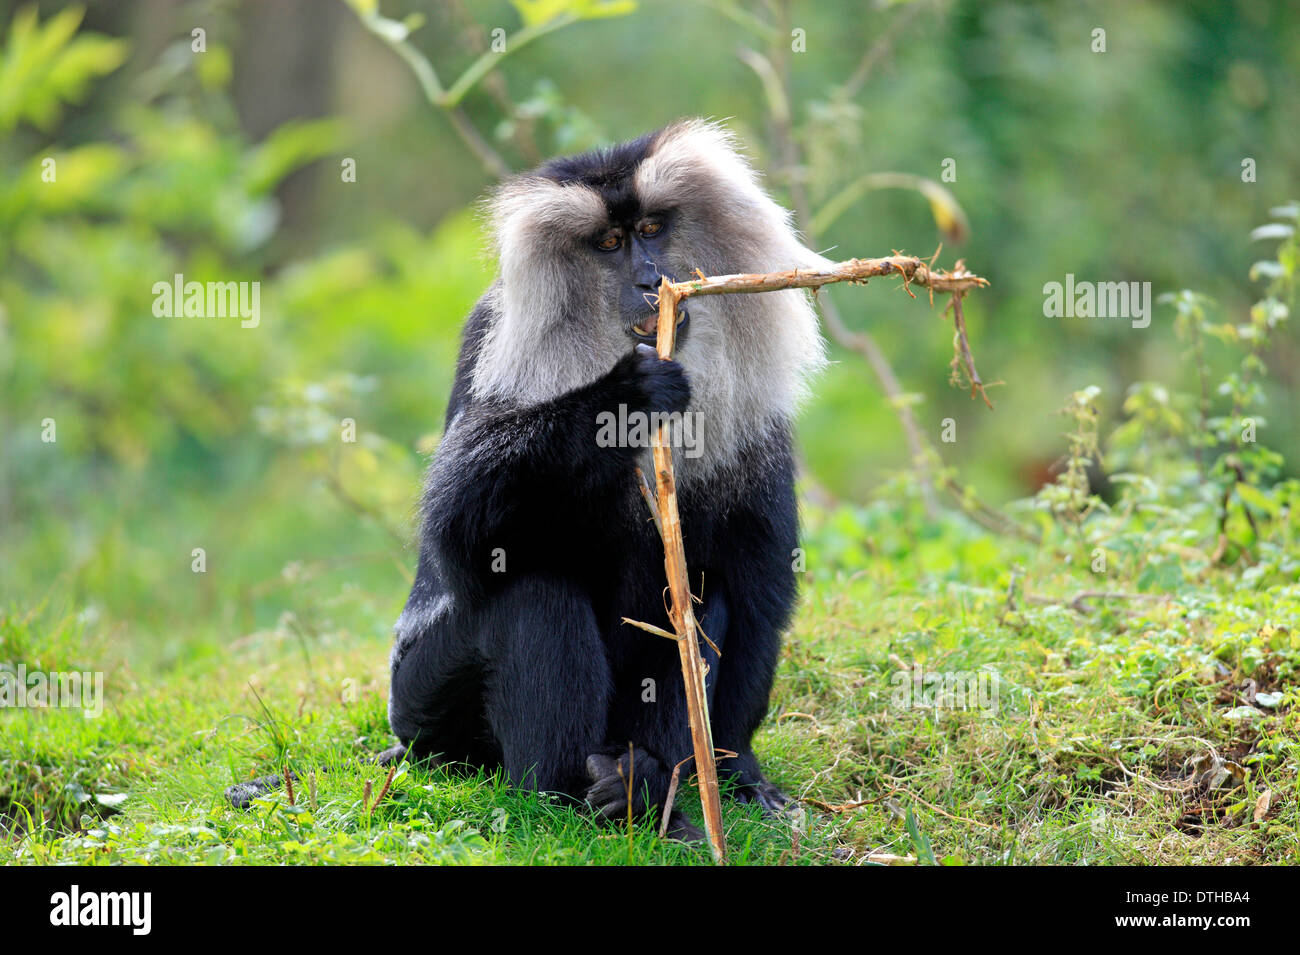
{"x":748,"y":357}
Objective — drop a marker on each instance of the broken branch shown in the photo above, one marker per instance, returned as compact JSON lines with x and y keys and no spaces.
{"x":664,"y":506}
{"x":914,"y":271}
{"x":680,"y":611}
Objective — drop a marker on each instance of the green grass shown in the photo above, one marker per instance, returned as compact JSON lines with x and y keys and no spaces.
{"x":1097,"y":750}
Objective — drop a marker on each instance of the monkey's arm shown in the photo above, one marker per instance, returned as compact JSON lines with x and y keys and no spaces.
{"x":506,"y":477}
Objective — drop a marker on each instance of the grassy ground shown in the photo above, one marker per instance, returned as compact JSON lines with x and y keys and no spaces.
{"x":1160,"y":728}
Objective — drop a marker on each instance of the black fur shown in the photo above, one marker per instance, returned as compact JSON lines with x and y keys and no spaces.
{"x":532,"y":669}
{"x":528,"y":667}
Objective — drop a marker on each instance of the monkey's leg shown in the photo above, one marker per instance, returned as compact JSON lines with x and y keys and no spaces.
{"x":435,"y":697}
{"x":658,"y":728}
{"x":739,"y":702}
{"x":548,"y":689}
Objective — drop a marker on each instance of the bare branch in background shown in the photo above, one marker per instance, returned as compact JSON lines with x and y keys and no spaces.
{"x":881,"y":48}
{"x":774,"y":76}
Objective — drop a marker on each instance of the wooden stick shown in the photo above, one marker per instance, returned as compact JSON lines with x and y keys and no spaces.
{"x":681,"y":612}
{"x":914,"y":271}
{"x":649,"y":497}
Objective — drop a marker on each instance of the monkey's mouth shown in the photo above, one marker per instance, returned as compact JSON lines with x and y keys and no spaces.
{"x":648,"y":330}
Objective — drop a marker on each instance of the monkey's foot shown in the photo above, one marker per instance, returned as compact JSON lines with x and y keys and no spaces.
{"x":681,"y":829}
{"x":770,"y":799}
{"x":610,"y":785}
{"x":241,"y":795}
{"x":394,"y":754}
{"x":614,"y":778}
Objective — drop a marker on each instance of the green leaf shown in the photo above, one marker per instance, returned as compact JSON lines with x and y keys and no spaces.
{"x":1257,"y":499}
{"x":924,"y":851}
{"x":1266,"y":268}
{"x":537,"y":13}
{"x":42,"y":68}
{"x":289,"y":147}
{"x":1274,"y":230}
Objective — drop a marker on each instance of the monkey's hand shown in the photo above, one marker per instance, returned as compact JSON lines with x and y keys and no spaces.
{"x":645,"y":382}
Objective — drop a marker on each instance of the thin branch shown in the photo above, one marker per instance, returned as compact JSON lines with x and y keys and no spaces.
{"x":397,"y":39}
{"x":878,"y":50}
{"x":934,"y":193}
{"x":742,"y":17}
{"x":489,"y":157}
{"x":489,"y":59}
{"x":651,"y":628}
{"x":649,"y":497}
{"x":497,"y":88}
{"x":964,"y":358}
{"x":915,"y":271}
{"x":392,"y":770}
{"x":672,"y":795}
{"x":1079,"y":602}
{"x":987,"y":517}
{"x":775,"y":77}
{"x":681,"y":613}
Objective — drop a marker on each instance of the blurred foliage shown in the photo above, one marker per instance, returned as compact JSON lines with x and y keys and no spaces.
{"x":1134,"y":603}
{"x":125,"y":159}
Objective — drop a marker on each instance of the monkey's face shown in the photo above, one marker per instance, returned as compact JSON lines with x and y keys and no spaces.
{"x":583,"y":244}
{"x":634,"y":254}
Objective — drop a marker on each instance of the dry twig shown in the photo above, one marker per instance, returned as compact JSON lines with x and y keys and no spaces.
{"x":392,"y":770}
{"x":680,"y":612}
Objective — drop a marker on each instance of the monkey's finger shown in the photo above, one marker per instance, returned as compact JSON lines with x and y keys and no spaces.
{"x":611,"y":787}
{"x":611,"y":810}
{"x":600,"y":766}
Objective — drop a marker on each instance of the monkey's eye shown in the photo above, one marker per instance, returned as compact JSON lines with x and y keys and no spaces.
{"x":609,"y":242}
{"x":651,"y":227}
